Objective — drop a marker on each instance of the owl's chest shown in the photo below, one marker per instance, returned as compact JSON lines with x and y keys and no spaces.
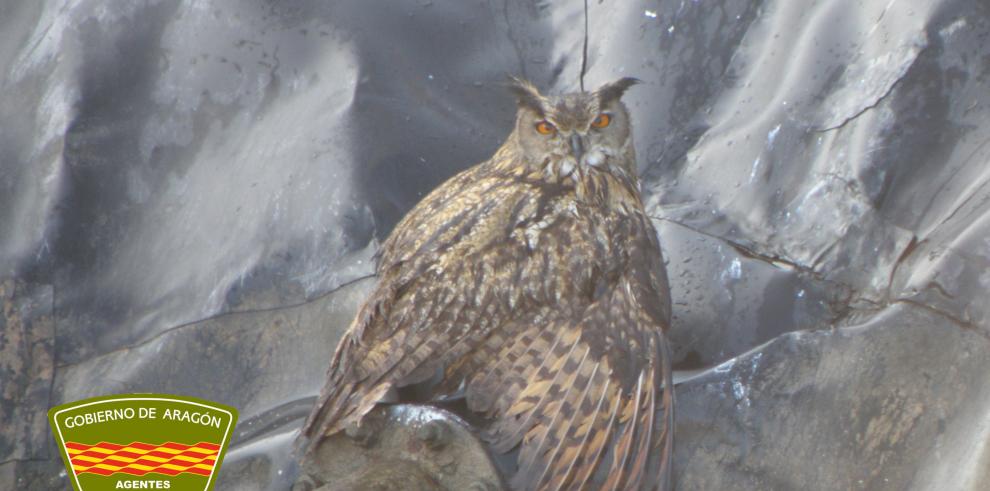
{"x":564,"y":250}
{"x":523,"y":247}
{"x":565,"y":228}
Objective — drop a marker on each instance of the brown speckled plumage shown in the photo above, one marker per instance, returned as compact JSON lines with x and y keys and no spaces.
{"x":534,"y":283}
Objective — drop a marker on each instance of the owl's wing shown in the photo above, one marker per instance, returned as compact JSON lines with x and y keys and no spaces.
{"x":588,"y":400}
{"x":431,"y":305}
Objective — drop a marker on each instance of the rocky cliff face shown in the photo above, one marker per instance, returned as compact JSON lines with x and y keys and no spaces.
{"x":190,"y":194}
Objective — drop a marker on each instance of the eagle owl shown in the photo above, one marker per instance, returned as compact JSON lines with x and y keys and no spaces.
{"x":532,"y":285}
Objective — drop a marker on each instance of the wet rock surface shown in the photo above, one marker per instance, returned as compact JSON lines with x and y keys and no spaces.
{"x":850,"y":408}
{"x":191,"y":197}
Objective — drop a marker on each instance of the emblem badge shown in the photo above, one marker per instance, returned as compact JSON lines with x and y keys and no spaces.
{"x":142,"y":441}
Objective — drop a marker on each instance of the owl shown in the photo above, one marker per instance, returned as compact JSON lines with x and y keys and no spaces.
{"x":532,"y":286}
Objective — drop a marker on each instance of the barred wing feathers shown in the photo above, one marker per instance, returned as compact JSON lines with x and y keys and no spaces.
{"x":589,"y":411}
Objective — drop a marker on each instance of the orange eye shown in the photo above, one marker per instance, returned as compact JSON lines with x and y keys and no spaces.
{"x":545,"y":128}
{"x":602,"y":121}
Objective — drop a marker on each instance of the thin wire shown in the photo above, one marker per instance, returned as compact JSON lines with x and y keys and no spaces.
{"x":584,"y":55}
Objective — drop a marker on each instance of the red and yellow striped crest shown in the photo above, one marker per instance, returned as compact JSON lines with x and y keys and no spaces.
{"x":139,"y":458}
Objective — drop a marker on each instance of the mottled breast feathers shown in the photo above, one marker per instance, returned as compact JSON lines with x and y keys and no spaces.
{"x":533,"y":284}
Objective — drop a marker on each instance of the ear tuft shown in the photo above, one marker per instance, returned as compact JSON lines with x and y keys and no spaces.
{"x":526,"y":94}
{"x":613,"y":90}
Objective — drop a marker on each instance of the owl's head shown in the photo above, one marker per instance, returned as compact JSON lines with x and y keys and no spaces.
{"x":578,"y":131}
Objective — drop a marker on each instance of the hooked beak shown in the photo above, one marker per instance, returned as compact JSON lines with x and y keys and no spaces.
{"x":577,"y":146}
